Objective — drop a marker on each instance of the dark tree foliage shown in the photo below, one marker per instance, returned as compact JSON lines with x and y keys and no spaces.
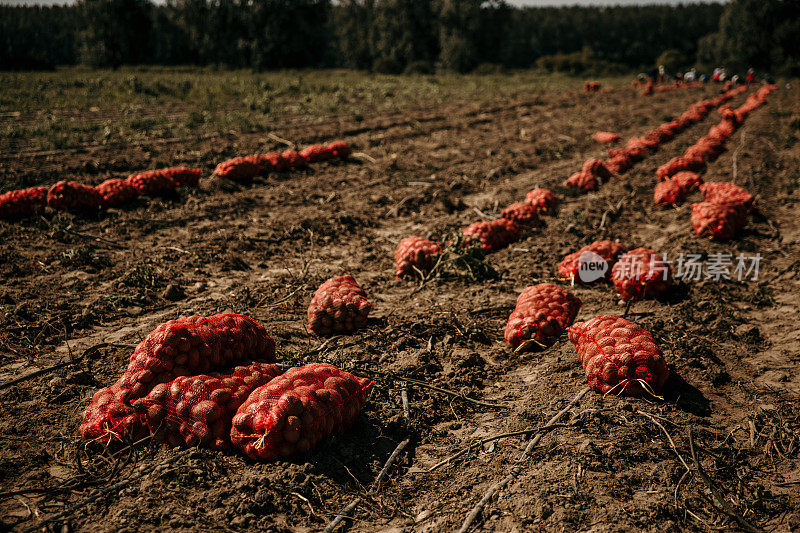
{"x":115,"y":32}
{"x":397,"y":35}
{"x":763,"y":34}
{"x":37,"y":37}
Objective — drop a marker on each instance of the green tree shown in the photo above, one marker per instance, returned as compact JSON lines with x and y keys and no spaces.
{"x":756,"y":33}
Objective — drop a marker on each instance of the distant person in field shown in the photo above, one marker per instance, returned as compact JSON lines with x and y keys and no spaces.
{"x":662,"y":74}
{"x":690,"y":76}
{"x":715,"y":76}
{"x":751,"y":76}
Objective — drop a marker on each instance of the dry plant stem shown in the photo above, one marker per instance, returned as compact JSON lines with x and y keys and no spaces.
{"x":669,"y":439}
{"x":779,"y":274}
{"x":362,"y":155}
{"x":726,"y":507}
{"x":404,"y":400}
{"x":491,"y":439}
{"x":281,"y":140}
{"x":516,"y":470}
{"x":62,"y":364}
{"x":435,"y":388}
{"x":344,"y":513}
{"x":105,"y":492}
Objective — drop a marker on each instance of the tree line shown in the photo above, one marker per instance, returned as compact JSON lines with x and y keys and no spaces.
{"x":398,"y":35}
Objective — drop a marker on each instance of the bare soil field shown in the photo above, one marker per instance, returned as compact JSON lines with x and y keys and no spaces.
{"x":719,"y":452}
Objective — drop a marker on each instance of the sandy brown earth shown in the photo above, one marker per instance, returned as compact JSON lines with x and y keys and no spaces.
{"x":71,"y":283}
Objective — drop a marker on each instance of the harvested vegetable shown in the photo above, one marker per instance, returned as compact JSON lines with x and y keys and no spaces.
{"x":718,"y":221}
{"x":340,"y":305}
{"x":415,"y":254}
{"x":492,"y":235}
{"x":74,"y":196}
{"x":581,"y":265}
{"x":23,"y":202}
{"x":296,"y":410}
{"x":641,"y":273}
{"x":541,"y":316}
{"x":197,"y":410}
{"x":618,"y":356}
{"x":182,"y":347}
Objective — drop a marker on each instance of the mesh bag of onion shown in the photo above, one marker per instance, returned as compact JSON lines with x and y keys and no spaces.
{"x":296,"y":410}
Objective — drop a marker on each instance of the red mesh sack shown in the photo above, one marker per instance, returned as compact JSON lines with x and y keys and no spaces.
{"x":727,"y":194}
{"x":116,"y":192}
{"x":415,"y":253}
{"x":296,"y":410}
{"x":641,"y":273}
{"x":542,"y":313}
{"x":340,"y":149}
{"x":522,"y":213}
{"x":674,"y":126}
{"x":619,"y":163}
{"x":650,"y":143}
{"x":152,"y":183}
{"x":705,"y":149}
{"x":609,"y":251}
{"x":677,"y":164}
{"x":728,"y":114}
{"x":74,"y":196}
{"x":659,"y":135}
{"x":197,"y":410}
{"x":542,"y":199}
{"x":492,"y":235}
{"x":722,"y":131}
{"x":293,"y":159}
{"x":598,"y":168}
{"x":183,"y":176}
{"x":637,"y":148}
{"x":584,"y":181}
{"x":272,"y":161}
{"x":187,"y":346}
{"x":23,"y":202}
{"x":674,"y":190}
{"x":717,"y":221}
{"x":618,"y":356}
{"x":340,"y":305}
{"x":605,"y":137}
{"x":239,"y":169}
{"x":317,"y":153}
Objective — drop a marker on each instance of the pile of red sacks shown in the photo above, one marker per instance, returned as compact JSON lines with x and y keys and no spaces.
{"x":212,"y":382}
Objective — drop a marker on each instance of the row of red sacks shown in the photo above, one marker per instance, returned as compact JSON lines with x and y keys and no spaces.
{"x":248,"y":167}
{"x":596,"y":171}
{"x":114,"y":192}
{"x":726,"y":205}
{"x":418,"y":254}
{"x":74,"y":196}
